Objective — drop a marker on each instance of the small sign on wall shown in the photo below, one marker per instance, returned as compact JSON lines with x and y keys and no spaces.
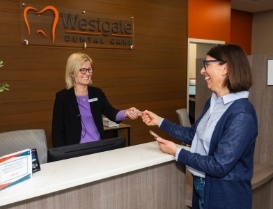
{"x":270,"y":72}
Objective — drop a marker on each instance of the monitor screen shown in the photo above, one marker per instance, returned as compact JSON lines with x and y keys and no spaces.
{"x":76,"y":150}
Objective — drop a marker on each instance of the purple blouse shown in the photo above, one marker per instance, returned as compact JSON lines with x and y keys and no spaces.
{"x":90,"y":132}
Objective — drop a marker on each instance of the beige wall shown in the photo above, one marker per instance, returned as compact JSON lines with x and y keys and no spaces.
{"x":261,"y":94}
{"x":262,"y":33}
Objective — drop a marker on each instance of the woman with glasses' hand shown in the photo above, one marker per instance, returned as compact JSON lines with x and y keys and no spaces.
{"x":78,"y":109}
{"x":223,"y":138}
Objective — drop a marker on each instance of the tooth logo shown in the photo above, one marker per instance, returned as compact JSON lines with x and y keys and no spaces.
{"x":40,"y":31}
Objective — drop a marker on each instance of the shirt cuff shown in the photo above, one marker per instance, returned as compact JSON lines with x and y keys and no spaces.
{"x":177,"y":153}
{"x":160,"y":122}
{"x":121,"y":115}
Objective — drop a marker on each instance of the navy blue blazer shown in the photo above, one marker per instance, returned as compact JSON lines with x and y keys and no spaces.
{"x":229,"y":164}
{"x":66,"y":122}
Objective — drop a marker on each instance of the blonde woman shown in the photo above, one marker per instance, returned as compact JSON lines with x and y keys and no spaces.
{"x":78,"y":109}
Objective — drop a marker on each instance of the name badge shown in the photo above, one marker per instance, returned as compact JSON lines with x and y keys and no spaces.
{"x":93,"y":100}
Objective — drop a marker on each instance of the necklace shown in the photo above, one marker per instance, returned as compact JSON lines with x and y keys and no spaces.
{"x":82,"y":99}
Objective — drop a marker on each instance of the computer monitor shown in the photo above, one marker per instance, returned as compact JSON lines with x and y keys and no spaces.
{"x":76,"y":150}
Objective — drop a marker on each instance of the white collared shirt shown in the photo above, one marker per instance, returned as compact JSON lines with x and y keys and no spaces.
{"x":204,"y":131}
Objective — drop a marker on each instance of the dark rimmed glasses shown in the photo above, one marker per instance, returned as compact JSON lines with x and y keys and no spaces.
{"x":84,"y":70}
{"x":205,"y":62}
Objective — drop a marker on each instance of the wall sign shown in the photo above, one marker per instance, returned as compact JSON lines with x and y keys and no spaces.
{"x":270,"y":72}
{"x":49,"y":25}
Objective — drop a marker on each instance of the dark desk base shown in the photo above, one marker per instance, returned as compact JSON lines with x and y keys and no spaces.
{"x":115,"y":130}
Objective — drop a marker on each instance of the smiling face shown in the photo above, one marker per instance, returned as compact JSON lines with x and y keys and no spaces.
{"x":215,"y":73}
{"x":84,"y":78}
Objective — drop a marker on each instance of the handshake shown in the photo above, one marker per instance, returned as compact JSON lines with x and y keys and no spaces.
{"x":133,"y":113}
{"x":148,"y":117}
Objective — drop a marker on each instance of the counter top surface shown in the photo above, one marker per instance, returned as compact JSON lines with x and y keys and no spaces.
{"x":73,"y":172}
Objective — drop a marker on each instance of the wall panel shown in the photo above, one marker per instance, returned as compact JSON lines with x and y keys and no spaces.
{"x":262,"y":32}
{"x":209,"y":19}
{"x":151,"y":76}
{"x":241,"y":21}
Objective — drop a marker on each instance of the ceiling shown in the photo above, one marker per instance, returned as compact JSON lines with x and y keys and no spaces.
{"x":252,"y":5}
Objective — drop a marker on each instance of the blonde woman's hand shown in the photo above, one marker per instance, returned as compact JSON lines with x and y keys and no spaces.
{"x":132,"y":113}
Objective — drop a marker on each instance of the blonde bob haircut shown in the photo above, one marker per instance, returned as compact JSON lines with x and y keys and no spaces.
{"x":73,"y":66}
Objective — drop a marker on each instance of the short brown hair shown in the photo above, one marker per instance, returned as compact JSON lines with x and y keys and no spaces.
{"x":239,"y":77}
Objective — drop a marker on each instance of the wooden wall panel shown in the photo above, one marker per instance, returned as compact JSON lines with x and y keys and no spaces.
{"x":151,"y":76}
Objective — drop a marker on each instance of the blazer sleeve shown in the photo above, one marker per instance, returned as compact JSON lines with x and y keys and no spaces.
{"x":105,"y":106}
{"x":58,"y":129}
{"x":184,"y":134}
{"x":181,"y":133}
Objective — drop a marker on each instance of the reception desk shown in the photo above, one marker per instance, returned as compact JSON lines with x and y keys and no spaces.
{"x":135,"y":177}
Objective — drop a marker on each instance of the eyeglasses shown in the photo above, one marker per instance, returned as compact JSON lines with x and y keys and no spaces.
{"x":84,"y":70}
{"x":205,"y":62}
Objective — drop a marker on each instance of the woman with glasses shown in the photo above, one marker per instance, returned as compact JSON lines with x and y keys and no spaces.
{"x":78,"y":109}
{"x":223,"y":138}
